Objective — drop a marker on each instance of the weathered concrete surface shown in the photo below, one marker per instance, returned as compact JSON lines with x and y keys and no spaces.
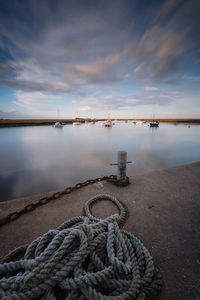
{"x":164,"y":209}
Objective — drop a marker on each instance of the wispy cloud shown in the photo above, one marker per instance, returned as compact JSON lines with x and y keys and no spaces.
{"x":161,"y":50}
{"x":150,"y":89}
{"x":168,"y":7}
{"x":138,"y":68}
{"x":100,"y":70}
{"x":109,"y":103}
{"x":6,"y":112}
{"x":35,"y":104}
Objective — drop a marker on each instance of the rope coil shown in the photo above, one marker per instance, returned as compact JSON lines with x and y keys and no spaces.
{"x":85,"y":258}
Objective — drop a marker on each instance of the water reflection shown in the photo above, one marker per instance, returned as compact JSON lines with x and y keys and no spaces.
{"x":152,"y":129}
{"x":38,"y":159}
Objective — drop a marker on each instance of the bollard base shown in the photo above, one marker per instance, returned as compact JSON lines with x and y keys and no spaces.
{"x":120,"y":183}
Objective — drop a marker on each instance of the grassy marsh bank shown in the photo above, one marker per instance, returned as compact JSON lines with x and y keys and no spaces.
{"x":41,"y":122}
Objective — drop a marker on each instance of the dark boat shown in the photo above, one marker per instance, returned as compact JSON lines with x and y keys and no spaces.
{"x":154,"y":124}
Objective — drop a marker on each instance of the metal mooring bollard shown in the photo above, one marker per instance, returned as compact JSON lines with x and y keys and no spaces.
{"x":122,"y":179}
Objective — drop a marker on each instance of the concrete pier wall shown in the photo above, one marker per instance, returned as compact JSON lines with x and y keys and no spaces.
{"x":164,"y":212}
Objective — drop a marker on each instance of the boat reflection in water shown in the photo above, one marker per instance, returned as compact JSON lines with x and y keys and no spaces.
{"x":76,"y":123}
{"x":58,"y":125}
{"x":108,"y":123}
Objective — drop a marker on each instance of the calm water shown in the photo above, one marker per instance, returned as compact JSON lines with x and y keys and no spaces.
{"x":39,"y":159}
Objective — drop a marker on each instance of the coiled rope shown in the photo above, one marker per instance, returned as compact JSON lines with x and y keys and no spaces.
{"x":85,"y":258}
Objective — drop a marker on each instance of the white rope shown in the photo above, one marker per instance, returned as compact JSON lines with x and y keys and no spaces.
{"x":85,"y":258}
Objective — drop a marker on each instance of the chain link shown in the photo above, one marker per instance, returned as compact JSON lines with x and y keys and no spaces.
{"x":42,"y":201}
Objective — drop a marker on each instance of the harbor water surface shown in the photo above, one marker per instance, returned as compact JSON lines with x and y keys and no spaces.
{"x":42,"y":158}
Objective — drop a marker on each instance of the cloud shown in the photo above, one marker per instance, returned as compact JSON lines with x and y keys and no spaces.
{"x":110,"y":103}
{"x":30,"y":98}
{"x":55,"y":87}
{"x":161,"y":50}
{"x":68,"y":48}
{"x":84,"y":108}
{"x":60,"y":54}
{"x":150,"y":89}
{"x":59,"y":39}
{"x":7,"y":112}
{"x":138,"y":68}
{"x":168,"y":6}
{"x":100,"y":70}
{"x":68,"y":43}
{"x":37,"y":103}
{"x":30,"y":75}
{"x":171,"y":40}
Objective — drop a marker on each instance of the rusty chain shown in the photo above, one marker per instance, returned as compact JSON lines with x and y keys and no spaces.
{"x":30,"y":207}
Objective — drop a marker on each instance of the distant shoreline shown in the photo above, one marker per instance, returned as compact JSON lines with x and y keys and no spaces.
{"x":32,"y":122}
{"x":42,"y":122}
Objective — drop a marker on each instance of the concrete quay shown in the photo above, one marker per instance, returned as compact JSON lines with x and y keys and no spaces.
{"x":164,"y":212}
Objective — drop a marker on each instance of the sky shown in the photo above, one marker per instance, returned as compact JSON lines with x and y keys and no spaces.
{"x":122,"y":58}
